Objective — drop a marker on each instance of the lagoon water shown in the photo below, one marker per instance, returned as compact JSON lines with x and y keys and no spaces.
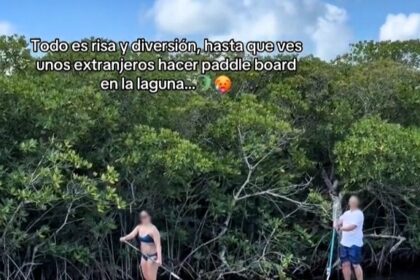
{"x":411,"y":274}
{"x":398,"y":276}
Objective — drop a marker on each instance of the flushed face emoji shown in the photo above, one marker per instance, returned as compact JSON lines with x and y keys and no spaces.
{"x":223,"y":84}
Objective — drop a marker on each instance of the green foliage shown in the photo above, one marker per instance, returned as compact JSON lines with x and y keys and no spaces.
{"x":406,"y":52}
{"x":376,"y":151}
{"x":164,"y":147}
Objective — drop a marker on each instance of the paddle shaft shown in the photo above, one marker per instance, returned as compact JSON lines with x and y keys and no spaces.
{"x":330,"y":259}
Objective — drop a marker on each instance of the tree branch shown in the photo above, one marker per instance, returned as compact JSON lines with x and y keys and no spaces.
{"x":400,"y":239}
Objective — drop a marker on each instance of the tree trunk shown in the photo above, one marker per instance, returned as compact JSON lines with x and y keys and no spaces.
{"x":335,"y":194}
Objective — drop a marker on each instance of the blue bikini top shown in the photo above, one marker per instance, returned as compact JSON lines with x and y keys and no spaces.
{"x":145,"y":239}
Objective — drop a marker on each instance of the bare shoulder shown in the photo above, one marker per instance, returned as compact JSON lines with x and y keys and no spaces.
{"x":155,"y":229}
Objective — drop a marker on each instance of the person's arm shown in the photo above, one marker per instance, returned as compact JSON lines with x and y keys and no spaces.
{"x":156,"y":238}
{"x":131,"y":235}
{"x":338,"y":224}
{"x":348,"y":227}
{"x":356,"y":221}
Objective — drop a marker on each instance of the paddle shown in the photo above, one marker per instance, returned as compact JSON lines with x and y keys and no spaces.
{"x":330,"y":259}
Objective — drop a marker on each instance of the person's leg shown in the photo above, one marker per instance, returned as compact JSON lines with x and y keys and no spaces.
{"x":358,"y":271}
{"x":153,"y":267}
{"x":153,"y":271}
{"x":356,"y":260}
{"x":144,"y":269}
{"x":346,"y":267}
{"x":141,"y":269}
{"x":345,"y":262}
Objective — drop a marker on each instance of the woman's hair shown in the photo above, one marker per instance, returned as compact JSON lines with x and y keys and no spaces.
{"x":144,"y":212}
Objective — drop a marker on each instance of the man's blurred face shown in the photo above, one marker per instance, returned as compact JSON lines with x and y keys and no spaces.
{"x":353,"y":202}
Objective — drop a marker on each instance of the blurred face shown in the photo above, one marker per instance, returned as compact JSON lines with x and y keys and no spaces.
{"x":144,"y":217}
{"x":354,"y":202}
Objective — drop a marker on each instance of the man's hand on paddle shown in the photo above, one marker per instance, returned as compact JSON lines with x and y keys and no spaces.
{"x":337,"y":225}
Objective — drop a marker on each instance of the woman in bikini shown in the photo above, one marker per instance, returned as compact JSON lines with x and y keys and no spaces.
{"x":151,"y":251}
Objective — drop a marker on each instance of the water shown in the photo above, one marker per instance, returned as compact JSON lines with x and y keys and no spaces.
{"x":398,"y":276}
{"x":410,"y":274}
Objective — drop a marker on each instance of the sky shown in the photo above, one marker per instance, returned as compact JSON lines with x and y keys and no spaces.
{"x":326,"y":27}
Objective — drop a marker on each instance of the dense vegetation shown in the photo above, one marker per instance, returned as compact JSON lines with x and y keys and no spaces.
{"x":239,"y":185}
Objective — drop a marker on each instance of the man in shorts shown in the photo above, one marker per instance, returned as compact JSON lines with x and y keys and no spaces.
{"x":350,"y":224}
